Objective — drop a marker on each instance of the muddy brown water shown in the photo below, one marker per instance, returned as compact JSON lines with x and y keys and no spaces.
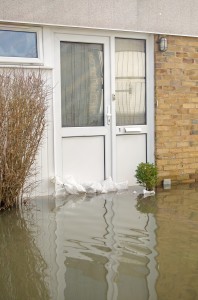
{"x":105,"y":247}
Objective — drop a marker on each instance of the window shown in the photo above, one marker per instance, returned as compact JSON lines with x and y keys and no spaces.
{"x":82,"y":75}
{"x":20,"y":45}
{"x":130,"y":59}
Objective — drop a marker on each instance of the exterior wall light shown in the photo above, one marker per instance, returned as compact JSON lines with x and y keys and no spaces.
{"x":163,"y":44}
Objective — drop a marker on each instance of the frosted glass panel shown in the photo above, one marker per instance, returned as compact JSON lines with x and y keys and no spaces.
{"x":82,"y":84}
{"x":18,"y":44}
{"x":130,"y":82}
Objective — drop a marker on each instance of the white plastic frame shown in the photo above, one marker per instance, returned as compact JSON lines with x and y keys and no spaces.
{"x":25,"y":60}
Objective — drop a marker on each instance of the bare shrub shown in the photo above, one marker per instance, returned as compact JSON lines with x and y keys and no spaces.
{"x":23,"y":105}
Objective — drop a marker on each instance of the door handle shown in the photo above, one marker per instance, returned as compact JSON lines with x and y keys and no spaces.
{"x":109,"y":115}
{"x":136,"y":129}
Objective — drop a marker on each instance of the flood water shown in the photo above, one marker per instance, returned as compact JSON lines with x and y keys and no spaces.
{"x":104,"y":247}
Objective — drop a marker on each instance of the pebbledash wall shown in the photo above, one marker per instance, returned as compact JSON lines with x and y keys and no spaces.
{"x":176,"y":111}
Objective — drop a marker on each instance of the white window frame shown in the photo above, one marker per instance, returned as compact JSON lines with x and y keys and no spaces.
{"x":25,"y":60}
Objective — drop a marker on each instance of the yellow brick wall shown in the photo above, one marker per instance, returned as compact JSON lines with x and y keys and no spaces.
{"x":176,"y":100}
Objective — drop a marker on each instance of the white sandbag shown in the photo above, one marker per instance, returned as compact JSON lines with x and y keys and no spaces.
{"x":89,"y":188}
{"x":72,"y":187}
{"x":120,"y":186}
{"x":148,"y":193}
{"x":109,"y":185}
{"x":99,"y":188}
{"x":59,"y":186}
{"x":56,"y":180}
{"x":60,"y":192}
{"x":94,"y":187}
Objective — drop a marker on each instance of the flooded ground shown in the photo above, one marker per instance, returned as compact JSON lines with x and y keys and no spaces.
{"x":105,"y":247}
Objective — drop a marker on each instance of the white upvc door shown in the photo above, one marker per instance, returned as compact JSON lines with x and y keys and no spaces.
{"x":104,"y":105}
{"x":82,"y":107}
{"x":133,"y":108}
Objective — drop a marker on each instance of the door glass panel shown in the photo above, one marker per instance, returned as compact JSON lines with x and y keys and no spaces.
{"x":82,"y":77}
{"x":130,"y":82}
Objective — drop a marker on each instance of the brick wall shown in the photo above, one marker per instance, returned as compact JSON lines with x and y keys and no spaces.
{"x":176,"y":99}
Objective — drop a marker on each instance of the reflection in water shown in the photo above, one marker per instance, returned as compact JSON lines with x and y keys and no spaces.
{"x":177,"y":244}
{"x":105,"y":247}
{"x":23,"y":270}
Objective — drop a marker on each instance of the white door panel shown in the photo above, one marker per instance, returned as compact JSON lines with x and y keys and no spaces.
{"x":131,"y":150}
{"x":82,"y":108}
{"x":83,"y":158}
{"x":131,"y":123}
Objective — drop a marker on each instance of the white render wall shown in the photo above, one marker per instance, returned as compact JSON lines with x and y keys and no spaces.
{"x":47,"y":157}
{"x":155,"y":16}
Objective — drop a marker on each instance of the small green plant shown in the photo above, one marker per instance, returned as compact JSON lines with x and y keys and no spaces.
{"x":146,"y":175}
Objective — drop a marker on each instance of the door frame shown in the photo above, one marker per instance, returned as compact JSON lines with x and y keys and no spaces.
{"x":149,"y":38}
{"x":61,"y":132}
{"x":110,"y":36}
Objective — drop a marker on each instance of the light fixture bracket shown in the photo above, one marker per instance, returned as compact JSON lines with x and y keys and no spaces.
{"x":163,"y":44}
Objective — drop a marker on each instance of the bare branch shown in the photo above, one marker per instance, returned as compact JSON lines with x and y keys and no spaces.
{"x":23,"y":105}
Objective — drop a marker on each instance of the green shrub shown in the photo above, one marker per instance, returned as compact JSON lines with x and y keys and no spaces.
{"x":146,"y":175}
